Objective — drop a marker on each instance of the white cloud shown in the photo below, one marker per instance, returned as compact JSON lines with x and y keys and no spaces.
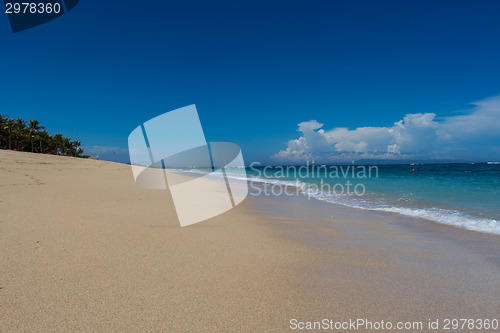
{"x":472,"y":135}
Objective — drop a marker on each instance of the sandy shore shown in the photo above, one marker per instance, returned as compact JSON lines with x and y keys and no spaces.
{"x":82,"y":248}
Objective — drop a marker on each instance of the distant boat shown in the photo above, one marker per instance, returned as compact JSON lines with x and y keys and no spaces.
{"x":493,"y":162}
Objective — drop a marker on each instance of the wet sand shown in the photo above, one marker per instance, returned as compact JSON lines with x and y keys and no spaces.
{"x":82,"y":248}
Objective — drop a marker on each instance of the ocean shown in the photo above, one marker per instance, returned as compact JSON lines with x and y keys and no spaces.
{"x":465,"y":195}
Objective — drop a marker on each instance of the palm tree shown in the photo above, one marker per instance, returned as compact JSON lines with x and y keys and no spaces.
{"x":9,"y":126}
{"x":19,"y":133}
{"x":3,"y":121}
{"x":42,"y":137}
{"x":34,"y":127}
{"x":57,"y":141}
{"x":65,"y":146}
{"x":76,"y":149}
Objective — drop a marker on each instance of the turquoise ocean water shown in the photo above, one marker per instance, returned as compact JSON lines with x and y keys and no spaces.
{"x":457,"y":194}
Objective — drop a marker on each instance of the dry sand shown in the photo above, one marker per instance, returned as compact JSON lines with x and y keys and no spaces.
{"x":82,"y":248}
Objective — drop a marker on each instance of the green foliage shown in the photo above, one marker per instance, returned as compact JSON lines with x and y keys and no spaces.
{"x":31,"y":136}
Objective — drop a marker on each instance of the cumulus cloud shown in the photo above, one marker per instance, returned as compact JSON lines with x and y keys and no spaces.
{"x":473,"y":135}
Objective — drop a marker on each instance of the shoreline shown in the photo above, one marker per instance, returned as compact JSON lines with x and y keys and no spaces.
{"x":419,"y":269}
{"x":84,"y":248}
{"x":461,"y":219}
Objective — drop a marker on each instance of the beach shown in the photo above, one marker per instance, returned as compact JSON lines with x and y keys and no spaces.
{"x":82,"y":248}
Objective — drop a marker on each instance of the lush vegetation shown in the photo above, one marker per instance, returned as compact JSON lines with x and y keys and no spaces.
{"x":30,"y":136}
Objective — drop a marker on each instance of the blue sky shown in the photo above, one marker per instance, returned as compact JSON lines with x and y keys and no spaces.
{"x":258,"y":69}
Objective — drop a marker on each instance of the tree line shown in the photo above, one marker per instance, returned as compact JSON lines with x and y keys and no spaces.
{"x":30,"y":136}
